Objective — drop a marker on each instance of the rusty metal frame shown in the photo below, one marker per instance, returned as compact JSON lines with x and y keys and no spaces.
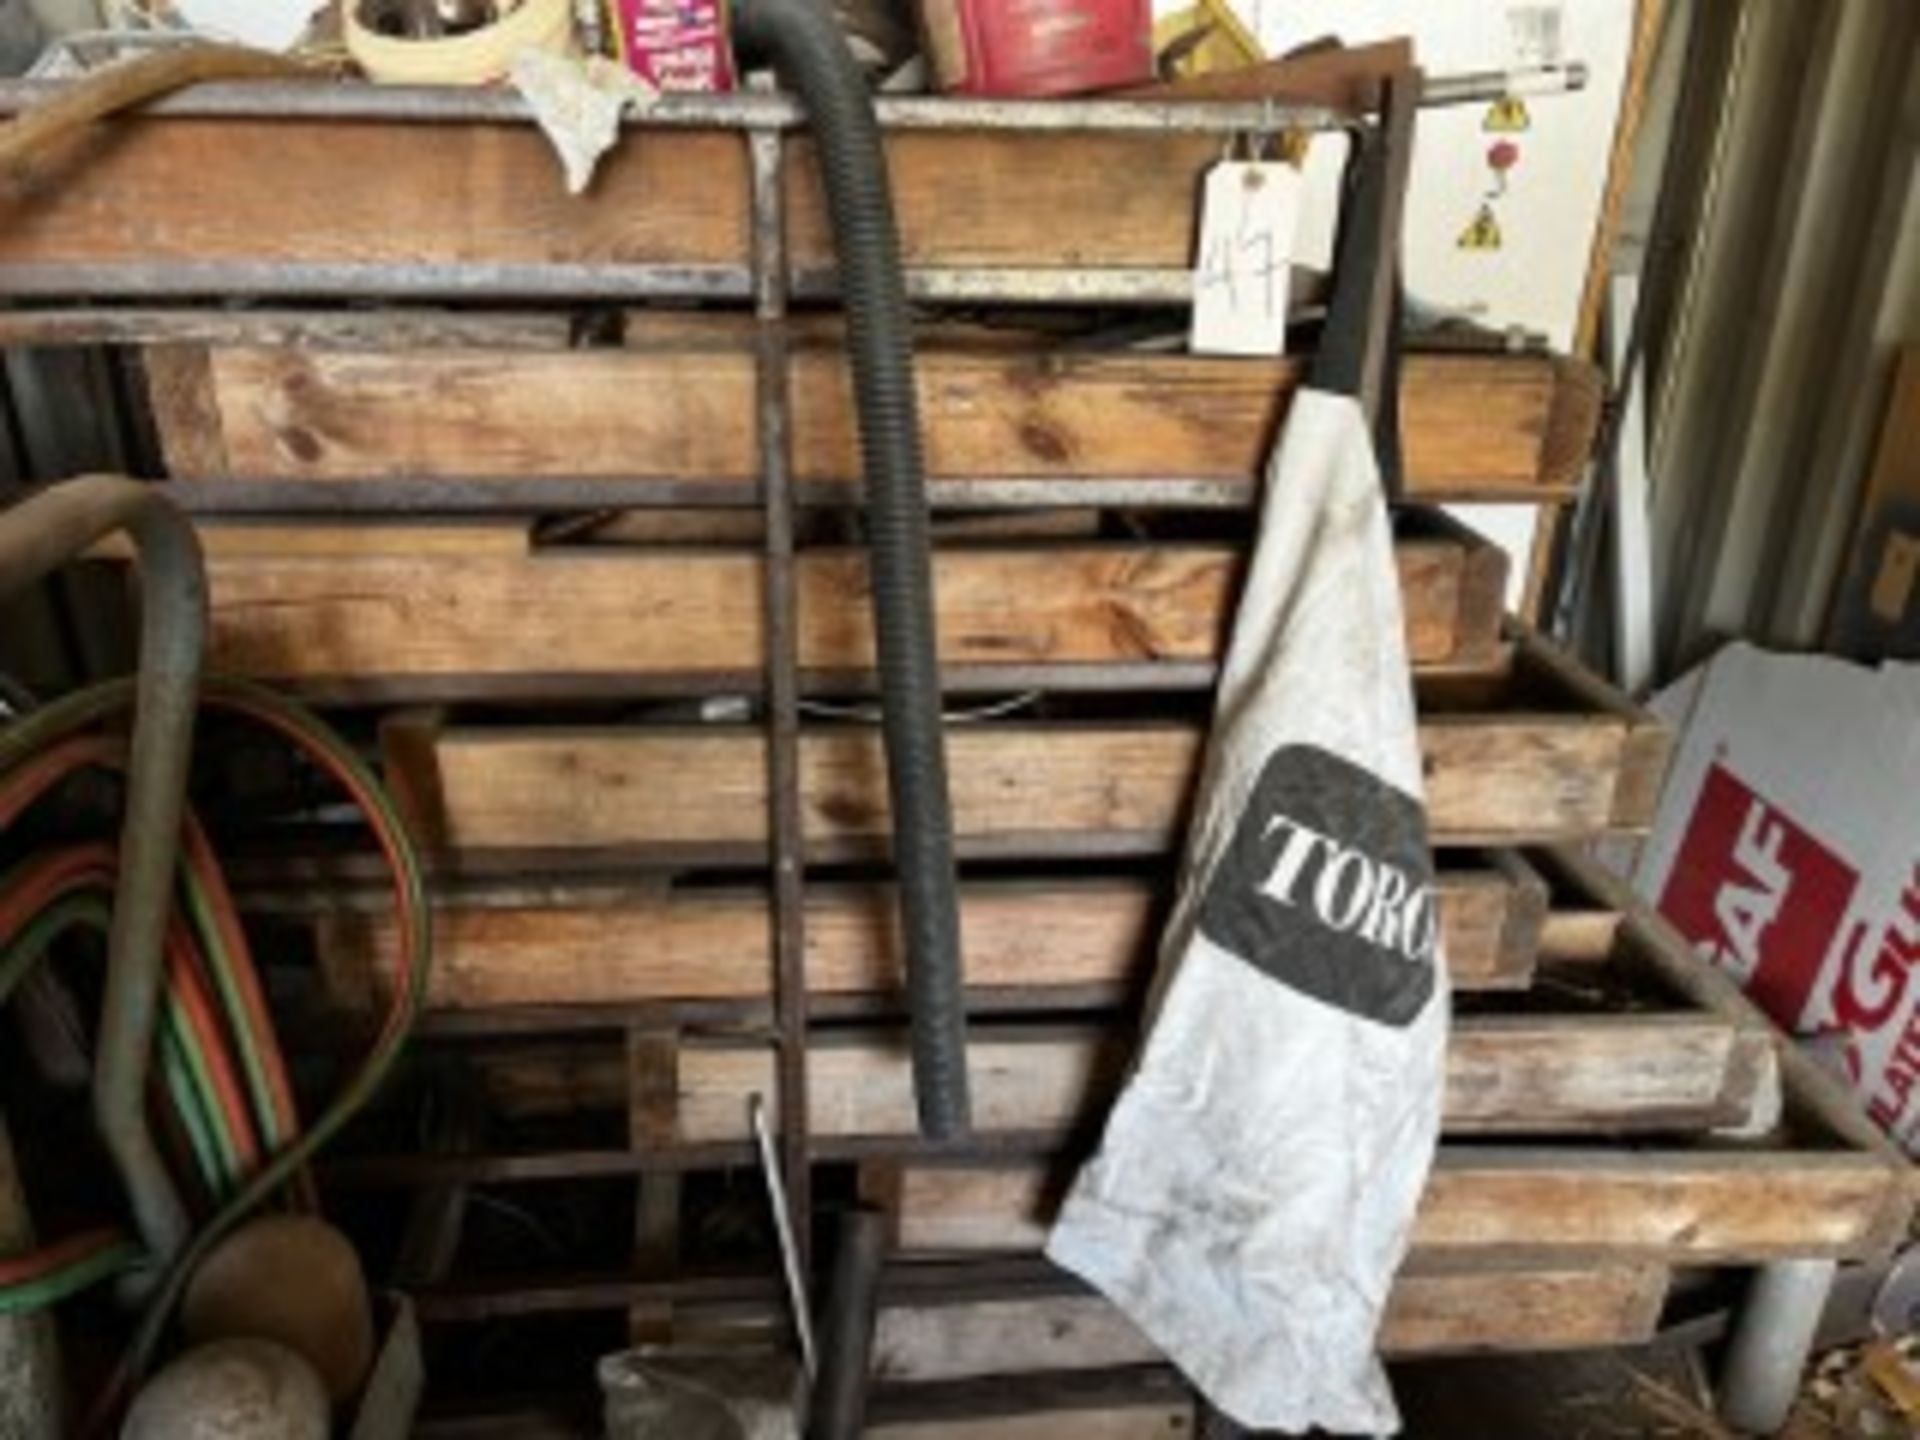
{"x":769,"y":281}
{"x":767,"y":156}
{"x":559,"y":494}
{"x":754,"y":110}
{"x":556,"y":281}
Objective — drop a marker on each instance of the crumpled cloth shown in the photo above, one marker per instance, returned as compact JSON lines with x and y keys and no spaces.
{"x":579,"y":105}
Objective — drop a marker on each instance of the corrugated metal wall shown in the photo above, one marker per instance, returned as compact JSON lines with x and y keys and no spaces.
{"x":1781,"y":271}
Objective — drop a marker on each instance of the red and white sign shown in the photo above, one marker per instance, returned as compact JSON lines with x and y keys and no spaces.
{"x":1757,"y":894}
{"x":1787,"y":850}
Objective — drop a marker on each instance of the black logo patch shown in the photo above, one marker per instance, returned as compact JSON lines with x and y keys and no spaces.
{"x":1327,"y":886}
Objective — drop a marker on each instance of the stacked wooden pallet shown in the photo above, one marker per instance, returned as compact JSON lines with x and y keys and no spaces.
{"x":574,"y":715}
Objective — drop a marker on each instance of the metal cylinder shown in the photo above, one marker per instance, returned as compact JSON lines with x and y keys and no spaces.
{"x":838,"y":1410}
{"x":1772,"y":1338}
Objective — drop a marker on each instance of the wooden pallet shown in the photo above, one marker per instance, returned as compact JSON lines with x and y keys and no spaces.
{"x":1804,"y":1177}
{"x":1631,"y":1046}
{"x":1614,"y":1113}
{"x":1522,"y":1242}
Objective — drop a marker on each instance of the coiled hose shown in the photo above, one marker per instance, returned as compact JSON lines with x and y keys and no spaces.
{"x":805,"y":46}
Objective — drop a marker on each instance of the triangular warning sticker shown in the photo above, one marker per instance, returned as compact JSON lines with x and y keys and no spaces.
{"x":1507,"y":115}
{"x":1483,"y":233}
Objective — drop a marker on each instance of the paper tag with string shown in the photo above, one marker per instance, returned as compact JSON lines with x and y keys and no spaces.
{"x":1248,"y":216}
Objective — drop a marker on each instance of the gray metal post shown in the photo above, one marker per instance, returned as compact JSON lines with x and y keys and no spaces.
{"x":1772,"y":1338}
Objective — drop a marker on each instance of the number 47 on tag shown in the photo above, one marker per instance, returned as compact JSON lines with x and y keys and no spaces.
{"x":1241,"y":276}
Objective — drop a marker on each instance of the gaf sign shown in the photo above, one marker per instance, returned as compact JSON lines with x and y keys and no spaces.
{"x":1757,"y":895}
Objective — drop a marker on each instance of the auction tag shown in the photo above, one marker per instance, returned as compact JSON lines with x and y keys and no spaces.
{"x":1240,"y":278}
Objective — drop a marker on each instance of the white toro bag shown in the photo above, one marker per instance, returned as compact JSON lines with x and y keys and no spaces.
{"x":1257,"y":1180}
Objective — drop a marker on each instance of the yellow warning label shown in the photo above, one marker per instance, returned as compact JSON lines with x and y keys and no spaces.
{"x":1483,"y":233}
{"x":1507,"y":115}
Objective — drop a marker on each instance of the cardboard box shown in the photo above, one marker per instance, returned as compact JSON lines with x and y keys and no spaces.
{"x":1787,"y":850}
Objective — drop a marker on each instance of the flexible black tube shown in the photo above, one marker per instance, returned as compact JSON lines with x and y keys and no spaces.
{"x":805,"y":46}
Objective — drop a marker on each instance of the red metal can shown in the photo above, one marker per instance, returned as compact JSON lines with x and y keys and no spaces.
{"x":1038,"y":47}
{"x":674,"y":44}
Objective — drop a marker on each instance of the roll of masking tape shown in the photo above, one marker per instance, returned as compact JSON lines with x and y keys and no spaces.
{"x":475,"y":58}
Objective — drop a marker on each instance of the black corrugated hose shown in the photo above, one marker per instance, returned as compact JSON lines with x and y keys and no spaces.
{"x":804,"y":44}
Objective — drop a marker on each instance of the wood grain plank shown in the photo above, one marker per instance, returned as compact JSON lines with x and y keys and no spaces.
{"x":704,"y":945}
{"x":330,"y":414}
{"x":1523,"y":920}
{"x":598,"y":788}
{"x":1525,"y":1310}
{"x":1474,"y":425}
{"x":186,"y":409}
{"x":324,"y":612}
{"x":464,"y":199}
{"x":697,"y":945}
{"x":1706,"y":1206}
{"x":1505,"y":775}
{"x":1584,"y":937}
{"x":922,"y":1343}
{"x":1678,"y":1206}
{"x":1596,"y":1074}
{"x":1018,"y":789}
{"x":653,"y":1062}
{"x":409,"y":744}
{"x":1000,"y":199}
{"x":1647,"y":745}
{"x":1430,"y":1313}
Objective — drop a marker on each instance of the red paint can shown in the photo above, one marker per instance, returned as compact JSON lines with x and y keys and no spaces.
{"x":1038,"y":47}
{"x":674,"y":44}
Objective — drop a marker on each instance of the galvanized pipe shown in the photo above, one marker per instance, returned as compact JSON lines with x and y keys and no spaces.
{"x":1772,"y":1338}
{"x":270,"y":99}
{"x":37,"y":536}
{"x":786,"y":826}
{"x":446,"y":105}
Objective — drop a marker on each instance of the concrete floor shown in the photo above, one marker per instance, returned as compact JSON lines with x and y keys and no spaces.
{"x":1652,"y":1394}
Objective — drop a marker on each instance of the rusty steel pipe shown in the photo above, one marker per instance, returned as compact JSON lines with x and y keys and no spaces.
{"x":37,"y":536}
